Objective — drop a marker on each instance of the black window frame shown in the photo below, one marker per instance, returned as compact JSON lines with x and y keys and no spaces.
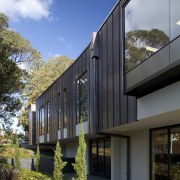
{"x":169,"y":145}
{"x":41,"y":121}
{"x":65,"y":108}
{"x":59,"y":111}
{"x":105,"y":139}
{"x":48,"y":117}
{"x":78,"y":98}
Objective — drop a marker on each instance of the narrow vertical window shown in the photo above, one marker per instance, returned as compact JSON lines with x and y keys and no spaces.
{"x":41,"y":121}
{"x":59,"y":111}
{"x":65,"y":109}
{"x":48,"y":116}
{"x":82,"y":98}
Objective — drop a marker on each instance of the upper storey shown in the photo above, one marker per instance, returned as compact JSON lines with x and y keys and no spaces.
{"x":151,"y":45}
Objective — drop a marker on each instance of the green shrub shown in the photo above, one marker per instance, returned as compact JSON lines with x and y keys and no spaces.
{"x":58,"y":163}
{"x":37,"y":164}
{"x":25,"y":174}
{"x":80,"y":159}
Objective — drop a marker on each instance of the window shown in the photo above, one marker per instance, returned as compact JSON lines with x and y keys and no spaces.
{"x":82,"y":98}
{"x":59,"y":112}
{"x":165,"y":153}
{"x":41,"y":121}
{"x":48,"y":116}
{"x":101,"y":157}
{"x":65,"y":109}
{"x":146,"y":30}
{"x":175,"y":18}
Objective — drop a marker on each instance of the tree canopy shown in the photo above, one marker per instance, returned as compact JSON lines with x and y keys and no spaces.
{"x":136,"y":43}
{"x":40,"y":80}
{"x":14,"y":50}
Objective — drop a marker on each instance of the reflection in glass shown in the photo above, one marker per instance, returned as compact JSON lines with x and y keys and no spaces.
{"x":146,"y":29}
{"x":65,"y":109}
{"x":175,"y":18}
{"x":108,"y":158}
{"x":48,"y":116}
{"x":41,"y":121}
{"x":93,"y":156}
{"x":175,"y":153}
{"x":82,"y":98}
{"x":159,"y":153}
{"x":101,"y":157}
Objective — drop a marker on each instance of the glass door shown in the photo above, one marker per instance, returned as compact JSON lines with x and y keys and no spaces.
{"x":175,"y":153}
{"x":159,"y":152}
{"x":165,"y":153}
{"x":101,"y":157}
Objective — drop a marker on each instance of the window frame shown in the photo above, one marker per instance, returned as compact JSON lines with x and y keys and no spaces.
{"x":48,"y":117}
{"x":65,"y":107}
{"x":41,"y":121}
{"x":78,"y":97}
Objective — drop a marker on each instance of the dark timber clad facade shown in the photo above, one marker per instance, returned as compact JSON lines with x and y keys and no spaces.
{"x":133,"y":123}
{"x":114,"y":108}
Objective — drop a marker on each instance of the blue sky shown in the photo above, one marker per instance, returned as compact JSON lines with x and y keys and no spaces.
{"x":57,"y":27}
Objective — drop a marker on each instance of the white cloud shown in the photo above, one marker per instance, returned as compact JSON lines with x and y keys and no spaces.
{"x":61,"y":39}
{"x":142,"y":14}
{"x":33,"y":9}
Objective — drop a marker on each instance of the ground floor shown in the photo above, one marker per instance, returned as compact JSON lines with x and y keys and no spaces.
{"x":150,"y":154}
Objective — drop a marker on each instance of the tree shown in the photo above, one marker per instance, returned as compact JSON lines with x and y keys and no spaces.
{"x":37,"y":164}
{"x":40,"y":80}
{"x":17,"y":154}
{"x":58,"y":163}
{"x":80,"y":159}
{"x":14,"y":50}
{"x":136,"y":42}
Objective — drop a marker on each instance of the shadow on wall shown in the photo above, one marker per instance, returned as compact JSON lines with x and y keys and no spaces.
{"x":47,"y":165}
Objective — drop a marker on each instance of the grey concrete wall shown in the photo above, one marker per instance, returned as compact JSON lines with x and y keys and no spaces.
{"x":139,"y":155}
{"x":158,"y":102}
{"x":118,"y":158}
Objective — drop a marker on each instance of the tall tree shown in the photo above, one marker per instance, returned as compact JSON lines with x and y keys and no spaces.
{"x":14,"y":50}
{"x":58,"y":163}
{"x":80,"y":159}
{"x":40,"y":80}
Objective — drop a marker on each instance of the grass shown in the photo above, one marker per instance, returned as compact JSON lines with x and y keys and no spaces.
{"x":25,"y":174}
{"x":8,"y":151}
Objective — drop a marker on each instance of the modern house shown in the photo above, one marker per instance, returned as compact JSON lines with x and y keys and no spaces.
{"x":125,"y":88}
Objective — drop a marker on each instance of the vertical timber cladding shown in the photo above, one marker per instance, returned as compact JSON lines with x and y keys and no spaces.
{"x":115,"y":108}
{"x":39,"y":104}
{"x":55,"y":96}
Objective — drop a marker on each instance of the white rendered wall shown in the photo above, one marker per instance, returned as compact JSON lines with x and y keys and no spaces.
{"x":85,"y":126}
{"x":139,"y":144}
{"x":59,"y":134}
{"x":118,"y":158}
{"x":164,"y":100}
{"x":41,"y":138}
{"x":69,"y":150}
{"x":65,"y":132}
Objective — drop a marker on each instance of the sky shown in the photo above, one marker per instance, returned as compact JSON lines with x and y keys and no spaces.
{"x":57,"y":27}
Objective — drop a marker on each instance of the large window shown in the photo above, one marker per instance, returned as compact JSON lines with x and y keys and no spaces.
{"x":82,"y":98}
{"x":101,"y":157}
{"x":41,"y":121}
{"x":149,"y":26}
{"x":65,"y":109}
{"x":165,"y":153}
{"x":59,"y":111}
{"x":48,"y":116}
